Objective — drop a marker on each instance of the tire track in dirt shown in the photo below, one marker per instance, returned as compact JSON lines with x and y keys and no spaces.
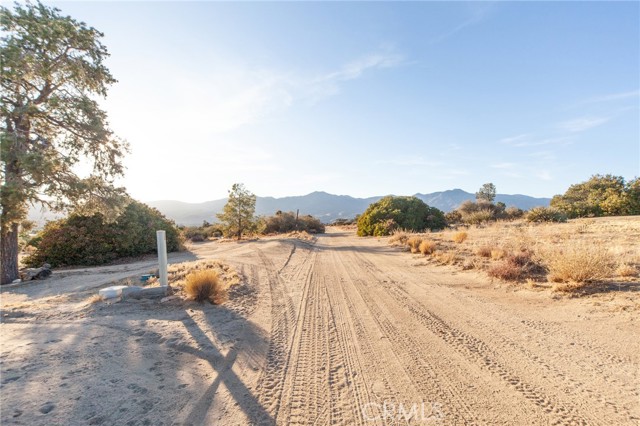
{"x":270,"y":384}
{"x":539,"y":355}
{"x":411,"y":356}
{"x":478,"y":351}
{"x":324,"y":377}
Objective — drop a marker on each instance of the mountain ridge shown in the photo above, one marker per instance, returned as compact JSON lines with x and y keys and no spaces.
{"x":327,"y":207}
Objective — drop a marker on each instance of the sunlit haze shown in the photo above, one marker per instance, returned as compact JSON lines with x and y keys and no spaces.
{"x":370,"y":98}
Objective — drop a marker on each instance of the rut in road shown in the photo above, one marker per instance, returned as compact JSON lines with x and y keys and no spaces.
{"x":355,"y":328}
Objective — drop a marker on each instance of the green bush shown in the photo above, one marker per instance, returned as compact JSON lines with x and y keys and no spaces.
{"x":284,"y":222}
{"x":91,"y":240}
{"x":601,"y":195}
{"x":482,"y":211}
{"x":201,"y":233}
{"x":545,"y":214}
{"x":391,"y":213}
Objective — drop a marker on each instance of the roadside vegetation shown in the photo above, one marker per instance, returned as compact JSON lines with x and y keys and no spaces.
{"x":286,"y":222}
{"x":581,"y":254}
{"x":392,"y":213}
{"x":201,"y":280}
{"x":94,"y":240}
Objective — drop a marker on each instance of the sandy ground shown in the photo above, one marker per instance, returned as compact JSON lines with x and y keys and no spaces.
{"x":343,"y":330}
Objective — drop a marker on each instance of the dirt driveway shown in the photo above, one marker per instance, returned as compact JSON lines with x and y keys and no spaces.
{"x":340,"y":331}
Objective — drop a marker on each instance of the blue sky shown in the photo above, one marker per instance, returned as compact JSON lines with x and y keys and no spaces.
{"x":370,"y":98}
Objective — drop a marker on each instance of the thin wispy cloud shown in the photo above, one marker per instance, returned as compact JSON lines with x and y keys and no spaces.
{"x":527,"y":140}
{"x":479,"y":12}
{"x":582,"y":124}
{"x":613,"y":97}
{"x":326,"y":85}
{"x":516,"y":139}
{"x":356,"y":68}
{"x":234,"y":96}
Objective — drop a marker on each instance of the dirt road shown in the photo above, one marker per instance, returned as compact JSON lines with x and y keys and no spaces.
{"x":340,"y":331}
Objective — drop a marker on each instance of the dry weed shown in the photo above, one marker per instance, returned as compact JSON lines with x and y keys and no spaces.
{"x":427,"y":247}
{"x":414,"y":244}
{"x":94,"y":299}
{"x":627,"y":271}
{"x":577,"y":263}
{"x":447,"y":257}
{"x":459,"y":237}
{"x":399,"y":237}
{"x":497,"y":254}
{"x":205,"y":285}
{"x":484,"y":251}
{"x":179,"y":272}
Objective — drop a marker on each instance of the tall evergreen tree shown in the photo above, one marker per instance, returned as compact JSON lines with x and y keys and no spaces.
{"x":238,"y":214}
{"x":52,"y":74}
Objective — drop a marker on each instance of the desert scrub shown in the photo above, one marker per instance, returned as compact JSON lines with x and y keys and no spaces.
{"x":205,"y":285}
{"x":446,"y":258}
{"x":460,"y":237}
{"x":545,"y":214}
{"x":577,"y":263}
{"x":399,"y":237}
{"x":627,"y":271}
{"x":414,"y":244}
{"x":178,"y":274}
{"x":484,"y":251}
{"x":427,"y":247}
{"x":497,"y":254}
{"x":515,"y":267}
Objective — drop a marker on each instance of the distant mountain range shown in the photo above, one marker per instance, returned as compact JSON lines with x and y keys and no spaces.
{"x":326,"y":207}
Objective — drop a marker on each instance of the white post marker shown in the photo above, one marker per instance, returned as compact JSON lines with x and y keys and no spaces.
{"x":162,"y":258}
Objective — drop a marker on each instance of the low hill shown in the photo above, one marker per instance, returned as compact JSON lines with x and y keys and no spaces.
{"x":326,"y":207}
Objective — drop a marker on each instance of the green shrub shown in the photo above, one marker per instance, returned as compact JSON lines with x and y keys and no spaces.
{"x":479,"y":212}
{"x":201,"y":233}
{"x":285,"y":222}
{"x":391,"y":213}
{"x":453,"y":217}
{"x":545,"y":214}
{"x":601,"y":195}
{"x":91,"y":240}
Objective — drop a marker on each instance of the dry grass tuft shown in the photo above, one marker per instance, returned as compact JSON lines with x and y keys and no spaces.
{"x":484,"y":251}
{"x":414,"y":244}
{"x":627,"y":271}
{"x":427,"y":247}
{"x":505,"y":271}
{"x":399,"y":238}
{"x":578,"y":263}
{"x":515,"y":267}
{"x":459,"y":237}
{"x":447,"y":257}
{"x":94,"y":299}
{"x":205,"y":285}
{"x":179,"y":273}
{"x":497,"y":254}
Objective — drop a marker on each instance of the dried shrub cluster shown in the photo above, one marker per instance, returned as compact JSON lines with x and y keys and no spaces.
{"x":203,"y":280}
{"x":427,"y":247}
{"x":460,"y":237}
{"x":205,"y":285}
{"x":572,"y":254}
{"x":577,"y":263}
